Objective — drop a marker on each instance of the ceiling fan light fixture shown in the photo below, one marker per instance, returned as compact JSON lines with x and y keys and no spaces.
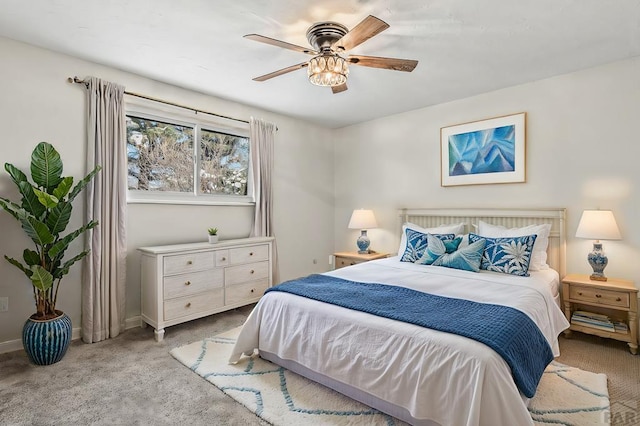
{"x":328,"y":69}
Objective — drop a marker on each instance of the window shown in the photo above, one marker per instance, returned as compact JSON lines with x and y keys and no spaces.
{"x":170,"y":160}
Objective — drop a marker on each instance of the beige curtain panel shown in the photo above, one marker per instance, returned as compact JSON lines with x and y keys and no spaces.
{"x":104,"y":272}
{"x":262,"y":149}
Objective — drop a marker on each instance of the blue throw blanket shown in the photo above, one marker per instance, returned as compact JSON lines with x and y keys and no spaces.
{"x":509,"y":332}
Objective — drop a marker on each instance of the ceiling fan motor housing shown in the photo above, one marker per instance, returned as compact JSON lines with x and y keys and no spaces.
{"x":322,"y":35}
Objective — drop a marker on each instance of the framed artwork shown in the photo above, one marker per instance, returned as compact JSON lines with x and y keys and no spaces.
{"x":483,"y":152}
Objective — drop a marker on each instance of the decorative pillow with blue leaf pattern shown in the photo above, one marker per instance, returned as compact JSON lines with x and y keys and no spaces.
{"x":417,"y":244}
{"x":507,"y":255}
{"x":467,"y":258}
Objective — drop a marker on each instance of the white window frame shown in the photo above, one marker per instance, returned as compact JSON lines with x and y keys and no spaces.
{"x":182,"y":117}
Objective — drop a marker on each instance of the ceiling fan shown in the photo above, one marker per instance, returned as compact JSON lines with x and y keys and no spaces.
{"x":330,"y":39}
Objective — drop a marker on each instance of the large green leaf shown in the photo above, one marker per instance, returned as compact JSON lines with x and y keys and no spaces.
{"x":31,"y":257}
{"x":46,"y":166}
{"x":59,"y":247}
{"x":30,"y":201}
{"x":81,"y":184}
{"x":36,"y":230}
{"x":64,"y":269}
{"x":16,"y":174}
{"x":41,"y":278}
{"x":19,"y":265}
{"x":12,"y":208}
{"x":58,"y":218}
{"x":47,"y":200}
{"x":63,"y":187}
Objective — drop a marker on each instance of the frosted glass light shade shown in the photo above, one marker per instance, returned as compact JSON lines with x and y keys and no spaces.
{"x":598,"y":225}
{"x":362,"y":219}
{"x":328,"y":70}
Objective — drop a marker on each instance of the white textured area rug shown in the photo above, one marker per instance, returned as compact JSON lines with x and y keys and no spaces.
{"x":565,"y":396}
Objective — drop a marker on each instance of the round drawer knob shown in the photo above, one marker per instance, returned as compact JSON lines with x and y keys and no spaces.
{"x":618,"y":299}
{"x":598,"y":296}
{"x":189,"y":262}
{"x":187,"y":283}
{"x":188,"y":305}
{"x":579,"y":293}
{"x":251,"y":254}
{"x":252,"y":290}
{"x":252,"y":271}
{"x":224,"y":258}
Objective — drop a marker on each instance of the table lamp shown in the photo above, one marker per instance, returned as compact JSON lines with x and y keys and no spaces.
{"x":598,"y":225}
{"x":363,"y":220}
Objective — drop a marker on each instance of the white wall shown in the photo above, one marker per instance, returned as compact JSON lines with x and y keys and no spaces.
{"x":582,"y":152}
{"x":38,"y":104}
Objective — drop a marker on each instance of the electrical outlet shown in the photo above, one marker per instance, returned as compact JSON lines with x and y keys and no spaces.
{"x":4,"y":304}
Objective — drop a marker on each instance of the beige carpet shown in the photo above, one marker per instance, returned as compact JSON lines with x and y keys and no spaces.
{"x":132,"y":380}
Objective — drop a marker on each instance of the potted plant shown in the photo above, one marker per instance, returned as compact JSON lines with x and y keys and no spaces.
{"x":213,"y":235}
{"x":44,"y":213}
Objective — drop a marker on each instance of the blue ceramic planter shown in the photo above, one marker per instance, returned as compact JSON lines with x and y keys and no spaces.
{"x":47,"y":341}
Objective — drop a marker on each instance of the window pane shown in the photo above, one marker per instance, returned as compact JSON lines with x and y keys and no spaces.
{"x":224,"y":163}
{"x":160,"y":156}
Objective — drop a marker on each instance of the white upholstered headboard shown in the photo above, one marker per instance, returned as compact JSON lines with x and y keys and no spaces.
{"x":510,"y":218}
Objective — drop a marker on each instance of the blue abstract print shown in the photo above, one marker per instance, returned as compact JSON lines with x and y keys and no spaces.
{"x":482,"y":151}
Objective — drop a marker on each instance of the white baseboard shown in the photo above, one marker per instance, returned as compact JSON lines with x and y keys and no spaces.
{"x":16,"y":345}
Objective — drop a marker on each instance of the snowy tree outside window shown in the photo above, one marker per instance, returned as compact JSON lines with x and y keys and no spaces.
{"x":169,"y":157}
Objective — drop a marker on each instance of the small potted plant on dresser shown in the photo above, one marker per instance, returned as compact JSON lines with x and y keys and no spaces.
{"x":213,"y":235}
{"x":44,"y":213}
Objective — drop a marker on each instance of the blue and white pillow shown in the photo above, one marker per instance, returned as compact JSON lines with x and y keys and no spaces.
{"x":467,"y":258}
{"x":417,"y":244}
{"x":507,"y":255}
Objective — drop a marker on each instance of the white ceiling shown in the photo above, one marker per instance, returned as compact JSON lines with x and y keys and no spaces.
{"x":464,"y":47}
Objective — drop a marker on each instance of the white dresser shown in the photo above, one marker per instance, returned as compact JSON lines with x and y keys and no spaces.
{"x":183,"y":282}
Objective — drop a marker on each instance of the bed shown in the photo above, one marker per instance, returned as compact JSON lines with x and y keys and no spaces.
{"x":420,"y":375}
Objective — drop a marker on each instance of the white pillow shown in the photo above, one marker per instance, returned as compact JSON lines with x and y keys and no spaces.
{"x":442,"y":229}
{"x":539,"y":256}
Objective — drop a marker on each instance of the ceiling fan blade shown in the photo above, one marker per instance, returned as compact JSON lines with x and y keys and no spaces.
{"x":280,"y":43}
{"x":407,"y":65}
{"x":339,"y":89}
{"x":362,"y":32}
{"x":282,"y":71}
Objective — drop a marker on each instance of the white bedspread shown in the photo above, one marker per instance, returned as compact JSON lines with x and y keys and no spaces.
{"x":445,"y":378}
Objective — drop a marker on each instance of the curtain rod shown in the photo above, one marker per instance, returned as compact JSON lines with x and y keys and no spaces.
{"x":79,"y":81}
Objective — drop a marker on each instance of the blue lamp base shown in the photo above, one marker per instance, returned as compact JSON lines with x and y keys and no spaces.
{"x":363,"y":243}
{"x":598,"y":261}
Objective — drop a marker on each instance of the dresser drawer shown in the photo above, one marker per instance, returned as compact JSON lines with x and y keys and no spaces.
{"x":243,"y":273}
{"x":603,"y":297}
{"x":222,"y":257}
{"x":189,"y":305}
{"x":182,"y":263}
{"x":196,"y":282}
{"x":244,"y":292}
{"x":248,"y":254}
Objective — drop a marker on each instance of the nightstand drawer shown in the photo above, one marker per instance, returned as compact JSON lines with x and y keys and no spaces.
{"x":341,"y":262}
{"x":604,"y":297}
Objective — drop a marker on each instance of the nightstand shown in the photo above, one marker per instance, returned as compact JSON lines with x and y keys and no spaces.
{"x":346,"y":258}
{"x":618,"y":299}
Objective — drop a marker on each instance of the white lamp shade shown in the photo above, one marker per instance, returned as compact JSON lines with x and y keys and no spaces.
{"x":362,"y":219}
{"x":598,"y":225}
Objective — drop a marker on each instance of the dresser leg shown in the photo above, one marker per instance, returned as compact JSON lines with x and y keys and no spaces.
{"x":567,"y":334}
{"x":159,"y":334}
{"x":633,"y":348}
